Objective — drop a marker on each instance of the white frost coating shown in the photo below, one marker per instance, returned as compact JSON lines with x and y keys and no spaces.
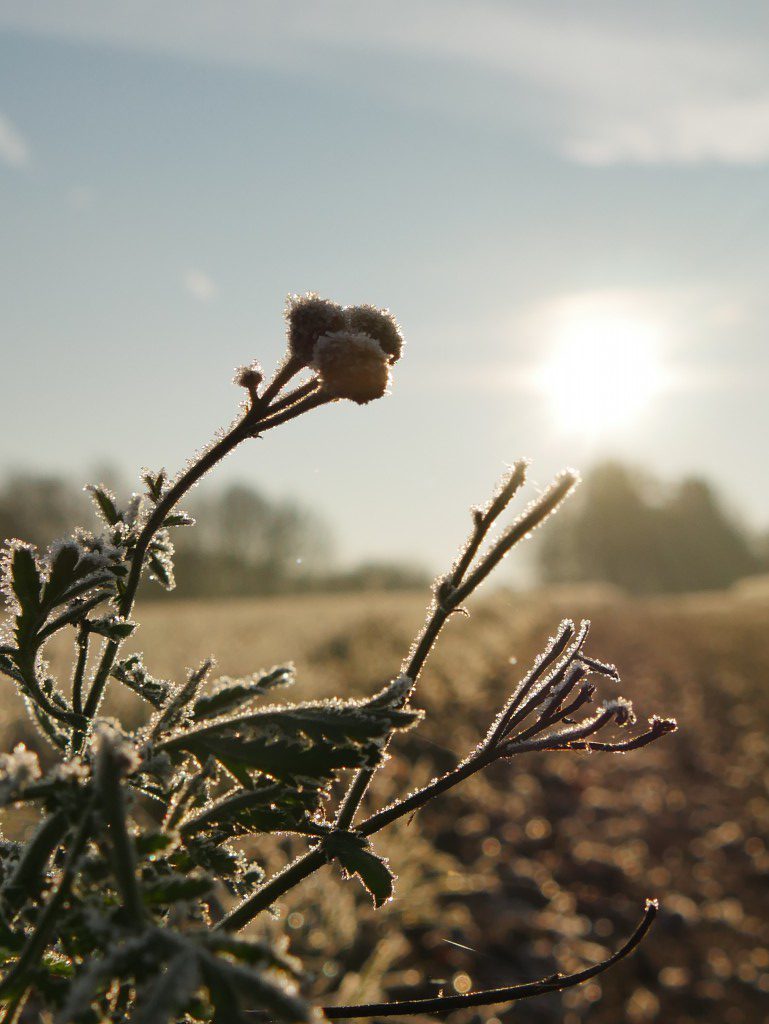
{"x":17,"y":770}
{"x":352,"y":340}
{"x":396,"y":693}
{"x":107,"y":736}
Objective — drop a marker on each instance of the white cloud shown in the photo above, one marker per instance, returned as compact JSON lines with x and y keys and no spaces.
{"x":200,"y":286}
{"x":602,"y":84}
{"x":14,"y":149}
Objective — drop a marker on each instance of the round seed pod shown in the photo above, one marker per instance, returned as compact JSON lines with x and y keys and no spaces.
{"x":249,"y":377}
{"x":309,"y":317}
{"x":352,"y":365}
{"x":380,"y":325}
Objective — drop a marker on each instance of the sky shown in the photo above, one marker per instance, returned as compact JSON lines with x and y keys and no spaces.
{"x":565,"y":205}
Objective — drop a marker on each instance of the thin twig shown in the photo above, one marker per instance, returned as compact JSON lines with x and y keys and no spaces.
{"x":488,"y":997}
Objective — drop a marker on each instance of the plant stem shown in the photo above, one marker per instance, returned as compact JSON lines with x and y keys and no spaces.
{"x":305,"y":865}
{"x":487,"y":997}
{"x":247,"y":426}
{"x":82,"y":659}
{"x":441,"y":611}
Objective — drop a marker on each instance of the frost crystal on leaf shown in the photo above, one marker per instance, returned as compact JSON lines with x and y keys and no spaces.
{"x":17,"y":770}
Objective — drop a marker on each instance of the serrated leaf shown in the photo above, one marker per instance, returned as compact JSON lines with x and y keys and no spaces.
{"x":105,"y":503}
{"x":271,"y":808}
{"x":132,"y":673}
{"x":231,"y":694}
{"x":354,"y":853}
{"x":300,"y":742}
{"x":209,"y":854}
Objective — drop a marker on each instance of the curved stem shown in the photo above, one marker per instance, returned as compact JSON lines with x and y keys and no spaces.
{"x":248,"y":426}
{"x":487,"y":997}
{"x":206,"y":462}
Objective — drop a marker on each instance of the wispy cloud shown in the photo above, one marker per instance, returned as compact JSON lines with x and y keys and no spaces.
{"x":200,"y":286}
{"x":14,"y":148}
{"x":607,"y":84}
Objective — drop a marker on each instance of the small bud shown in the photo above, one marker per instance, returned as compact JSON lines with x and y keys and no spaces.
{"x":380,"y":325}
{"x":249,"y":377}
{"x":309,"y":317}
{"x":352,"y":365}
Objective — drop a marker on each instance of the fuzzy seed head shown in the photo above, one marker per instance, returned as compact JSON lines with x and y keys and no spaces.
{"x":352,"y":365}
{"x":249,"y":377}
{"x":380,"y":325}
{"x":309,"y":317}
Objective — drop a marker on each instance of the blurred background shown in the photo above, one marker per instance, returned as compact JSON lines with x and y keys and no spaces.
{"x":567,"y":208}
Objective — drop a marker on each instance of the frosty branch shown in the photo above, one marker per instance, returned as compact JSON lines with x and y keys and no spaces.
{"x":108,"y":911}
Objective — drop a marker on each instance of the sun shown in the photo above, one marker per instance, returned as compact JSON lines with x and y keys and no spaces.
{"x":603,"y":371}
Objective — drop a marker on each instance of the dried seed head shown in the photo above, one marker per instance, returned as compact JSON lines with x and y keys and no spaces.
{"x":249,"y":377}
{"x":352,"y":365}
{"x":309,"y":317}
{"x":380,"y":325}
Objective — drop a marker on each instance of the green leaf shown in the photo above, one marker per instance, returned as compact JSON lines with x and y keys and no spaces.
{"x":112,"y":627}
{"x":210,"y":855}
{"x":175,"y":887}
{"x":354,"y":853}
{"x":155,"y":483}
{"x":23,"y":575}
{"x":162,"y":570}
{"x":132,"y":673}
{"x":105,"y":503}
{"x":178,"y":519}
{"x":230,"y":694}
{"x":265,"y":808}
{"x":302,"y":742}
{"x":64,"y":561}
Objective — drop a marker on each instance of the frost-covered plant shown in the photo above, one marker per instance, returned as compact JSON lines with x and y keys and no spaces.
{"x":127,"y":899}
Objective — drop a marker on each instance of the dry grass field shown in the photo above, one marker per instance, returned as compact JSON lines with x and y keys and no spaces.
{"x":542,"y":864}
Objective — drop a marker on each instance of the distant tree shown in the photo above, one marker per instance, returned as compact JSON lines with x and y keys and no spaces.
{"x":706,"y":550}
{"x":248,"y":544}
{"x":625,"y":529}
{"x":39,"y":507}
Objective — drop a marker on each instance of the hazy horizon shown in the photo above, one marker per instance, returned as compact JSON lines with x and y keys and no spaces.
{"x":513,"y":181}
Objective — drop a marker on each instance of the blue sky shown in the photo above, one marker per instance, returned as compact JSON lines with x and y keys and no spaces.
{"x":169,"y":172}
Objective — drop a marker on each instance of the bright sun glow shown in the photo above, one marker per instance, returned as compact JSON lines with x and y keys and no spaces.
{"x":603,"y":371}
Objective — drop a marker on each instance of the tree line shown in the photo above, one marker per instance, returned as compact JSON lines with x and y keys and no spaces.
{"x":625,"y":527}
{"x":622,"y":527}
{"x":244,"y":543}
